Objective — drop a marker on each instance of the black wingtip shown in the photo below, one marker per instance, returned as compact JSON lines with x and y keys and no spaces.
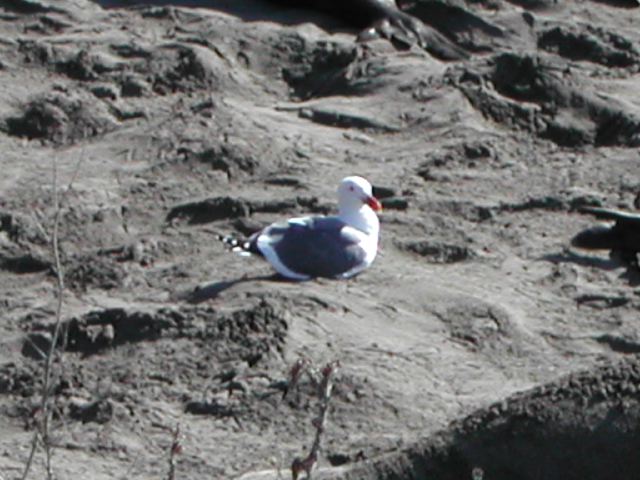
{"x":618,"y":216}
{"x":243,"y":246}
{"x":589,"y":209}
{"x":229,"y":241}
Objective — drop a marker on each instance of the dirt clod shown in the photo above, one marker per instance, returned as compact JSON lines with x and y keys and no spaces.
{"x":61,"y":119}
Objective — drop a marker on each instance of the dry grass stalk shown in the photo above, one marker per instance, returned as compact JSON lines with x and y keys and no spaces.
{"x":174,"y":451}
{"x":323,"y":381}
{"x":42,"y":434}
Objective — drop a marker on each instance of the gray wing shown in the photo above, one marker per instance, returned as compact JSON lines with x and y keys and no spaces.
{"x":315,"y":246}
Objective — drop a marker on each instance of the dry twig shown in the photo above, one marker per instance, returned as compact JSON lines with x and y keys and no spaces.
{"x":43,"y":432}
{"x":174,"y":451}
{"x":323,"y":381}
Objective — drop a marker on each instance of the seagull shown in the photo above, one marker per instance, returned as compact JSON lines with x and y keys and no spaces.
{"x":339,"y":246}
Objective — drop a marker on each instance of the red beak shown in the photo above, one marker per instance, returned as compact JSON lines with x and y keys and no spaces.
{"x":375,"y":205}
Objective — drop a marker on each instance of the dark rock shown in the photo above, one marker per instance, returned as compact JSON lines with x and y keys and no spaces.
{"x":381,"y":192}
{"x":213,"y":409}
{"x":619,"y":344}
{"x":185,"y":68}
{"x":343,"y":119}
{"x":436,"y":252}
{"x":95,"y":271}
{"x":18,"y":379}
{"x":27,"y":6}
{"x":251,"y":334}
{"x":78,"y":67}
{"x":572,"y":112}
{"x":590,"y":43}
{"x":536,"y":203}
{"x":395,"y":203}
{"x":99,"y":411}
{"x":322,"y":71}
{"x":61,"y":118}
{"x":25,"y":263}
{"x":232,"y":159}
{"x":105,"y":91}
{"x":210,"y":210}
{"x":133,"y":87}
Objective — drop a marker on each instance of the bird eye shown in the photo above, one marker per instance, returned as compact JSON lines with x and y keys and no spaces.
{"x":351,"y":189}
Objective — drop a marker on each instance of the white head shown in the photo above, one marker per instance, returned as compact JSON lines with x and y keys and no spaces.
{"x":357,"y":204}
{"x":355,"y":192}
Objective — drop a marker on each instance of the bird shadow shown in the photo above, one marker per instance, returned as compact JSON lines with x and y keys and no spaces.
{"x":631,"y":273}
{"x":582,"y":260}
{"x":209,"y":291}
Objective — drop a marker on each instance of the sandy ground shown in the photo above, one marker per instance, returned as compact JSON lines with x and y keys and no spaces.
{"x":168,"y":125}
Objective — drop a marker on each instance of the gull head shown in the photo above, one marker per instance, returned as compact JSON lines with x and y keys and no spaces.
{"x":355,"y":192}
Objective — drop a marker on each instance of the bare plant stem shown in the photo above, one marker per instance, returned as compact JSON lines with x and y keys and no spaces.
{"x":34,"y":446}
{"x":325,"y":387}
{"x":176,"y":449}
{"x":43,"y":433}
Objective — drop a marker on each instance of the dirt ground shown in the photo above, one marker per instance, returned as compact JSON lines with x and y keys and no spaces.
{"x":478,"y":345}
